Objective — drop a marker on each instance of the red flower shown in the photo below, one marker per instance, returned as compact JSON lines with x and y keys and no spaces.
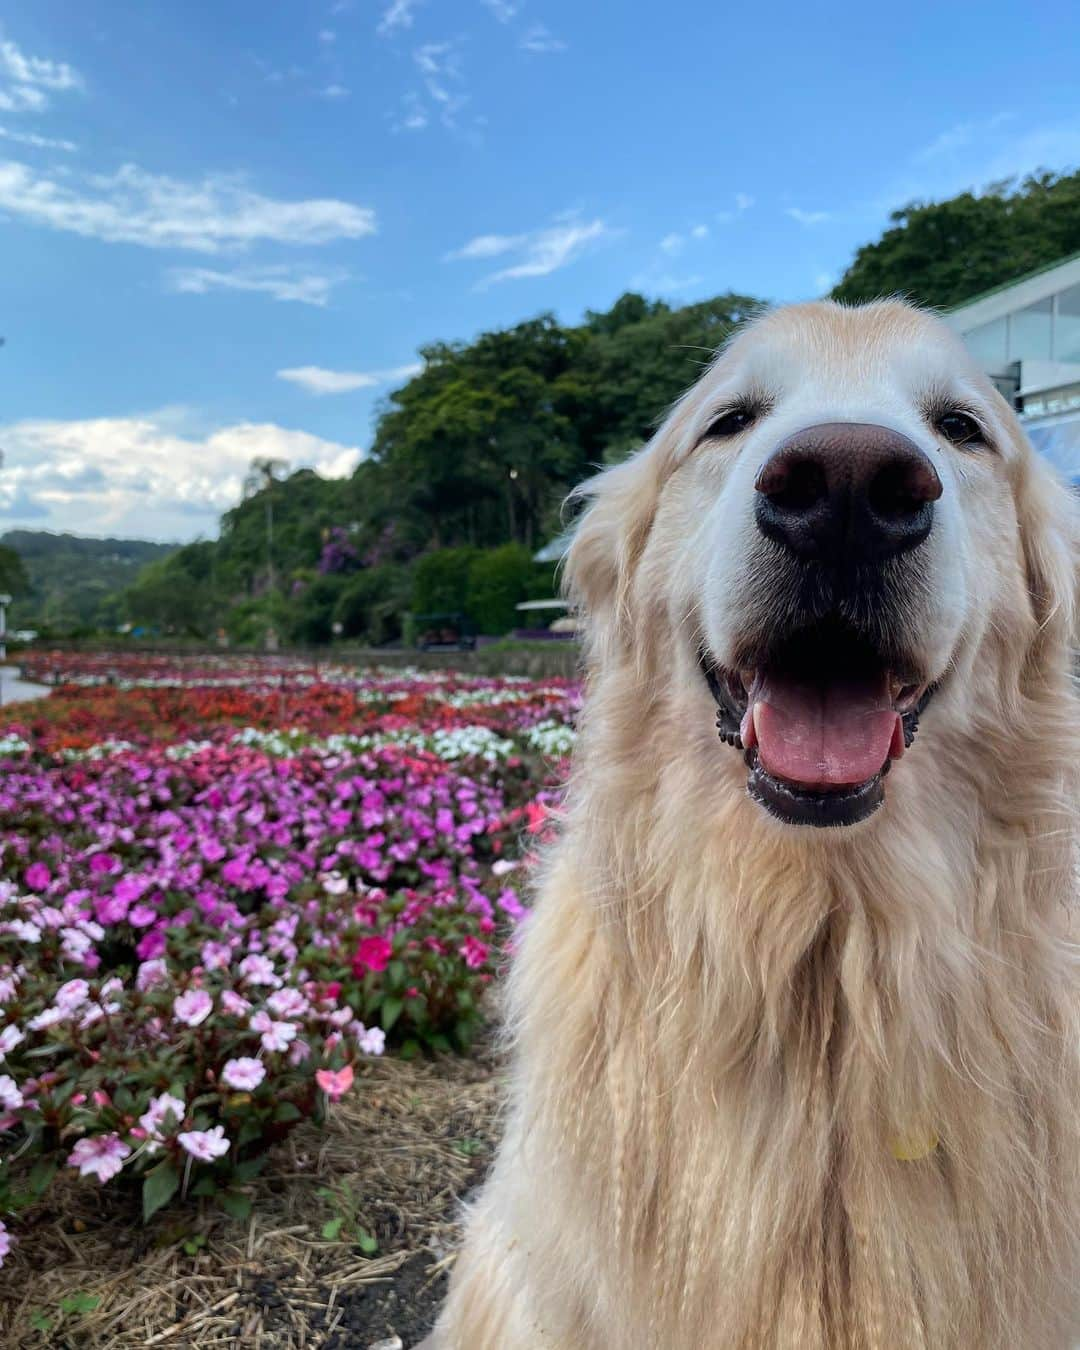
{"x":537,"y":813}
{"x":373,"y":953}
{"x":474,"y":951}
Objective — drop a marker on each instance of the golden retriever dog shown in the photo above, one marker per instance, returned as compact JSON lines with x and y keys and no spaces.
{"x":795,"y":1017}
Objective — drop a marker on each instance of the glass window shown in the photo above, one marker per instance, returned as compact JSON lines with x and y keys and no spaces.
{"x":988,"y":345}
{"x":1067,"y":325}
{"x":1029,"y":332}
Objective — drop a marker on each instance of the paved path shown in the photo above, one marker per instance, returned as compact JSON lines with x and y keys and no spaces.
{"x":14,"y":690}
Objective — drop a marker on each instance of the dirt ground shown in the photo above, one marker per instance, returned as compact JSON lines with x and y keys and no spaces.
{"x":398,"y":1155}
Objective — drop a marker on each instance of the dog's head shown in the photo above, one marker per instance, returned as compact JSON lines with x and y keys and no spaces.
{"x":839,"y":531}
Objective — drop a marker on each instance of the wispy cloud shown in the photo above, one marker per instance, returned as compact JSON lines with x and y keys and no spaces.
{"x":441,"y":69}
{"x":215,"y":214}
{"x":413,"y":115}
{"x":503,"y":10}
{"x":333,"y":91}
{"x":665,"y":283}
{"x":743,"y":202}
{"x":149,"y":475}
{"x":540,"y":252}
{"x":539,"y":40}
{"x":327,"y":36}
{"x":807,"y":217}
{"x":38,"y":142}
{"x":673,"y":244}
{"x":305,"y":286}
{"x":397,"y":15}
{"x":26,"y":82}
{"x":319,"y":380}
{"x":959,"y":137}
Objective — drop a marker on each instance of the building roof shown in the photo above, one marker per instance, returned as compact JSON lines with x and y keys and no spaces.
{"x":1015,"y":294}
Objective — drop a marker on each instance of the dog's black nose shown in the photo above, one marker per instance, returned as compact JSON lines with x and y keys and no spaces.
{"x":847,"y":493}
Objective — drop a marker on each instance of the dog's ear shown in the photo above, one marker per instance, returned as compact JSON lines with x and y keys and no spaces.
{"x":1050,"y":534}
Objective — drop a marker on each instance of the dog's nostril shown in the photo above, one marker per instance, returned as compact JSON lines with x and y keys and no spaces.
{"x":799,"y":485}
{"x":901,"y":489}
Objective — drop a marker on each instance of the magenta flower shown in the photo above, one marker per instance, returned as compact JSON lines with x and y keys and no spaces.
{"x":243,"y":1074}
{"x":474,"y":952}
{"x":372,"y":953}
{"x":101,"y":1156}
{"x":193,"y":1007}
{"x":205,"y":1145}
{"x":38,"y":876}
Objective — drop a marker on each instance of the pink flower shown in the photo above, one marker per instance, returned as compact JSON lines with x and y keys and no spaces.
{"x":243,"y":1074}
{"x":193,"y":1007}
{"x":474,"y":952}
{"x":205,"y":1145}
{"x":102,"y":1156}
{"x":234,"y":1004}
{"x":335,"y":1085}
{"x":372,"y":953}
{"x":10,"y":1096}
{"x":275,"y":1035}
{"x":72,"y":994}
{"x":161,"y":1110}
{"x":298,"y":1052}
{"x":259,"y":970}
{"x":288,"y":1003}
{"x":5,"y":1241}
{"x":215,"y":955}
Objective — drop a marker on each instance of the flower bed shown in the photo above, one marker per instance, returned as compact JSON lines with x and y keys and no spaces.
{"x":210,"y":920}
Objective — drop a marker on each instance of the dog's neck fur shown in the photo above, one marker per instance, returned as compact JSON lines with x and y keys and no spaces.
{"x":906,"y":985}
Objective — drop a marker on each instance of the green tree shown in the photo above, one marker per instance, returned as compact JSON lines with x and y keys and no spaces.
{"x":943,"y":253}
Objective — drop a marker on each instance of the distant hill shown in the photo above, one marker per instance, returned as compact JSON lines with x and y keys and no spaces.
{"x":75,"y":582}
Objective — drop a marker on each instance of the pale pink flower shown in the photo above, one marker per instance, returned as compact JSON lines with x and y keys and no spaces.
{"x":5,"y":1241}
{"x":335,"y":884}
{"x":72,"y":995}
{"x":193,"y":1007}
{"x":234,"y":1004}
{"x":9,"y":1039}
{"x":101,"y":1156}
{"x":151,"y":973}
{"x":259,"y":970}
{"x":372,"y":1040}
{"x":501,"y":866}
{"x":10,"y":1096}
{"x":288,"y":1003}
{"x":275,"y":1035}
{"x":205,"y":1145}
{"x":299,"y":1051}
{"x":158,"y":1113}
{"x":48,"y":1017}
{"x":243,"y":1074}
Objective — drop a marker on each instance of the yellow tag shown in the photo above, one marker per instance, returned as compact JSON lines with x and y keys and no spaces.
{"x":912,"y":1147}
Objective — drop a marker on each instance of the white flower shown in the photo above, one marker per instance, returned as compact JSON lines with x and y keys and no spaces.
{"x":9,"y":1039}
{"x":243,"y":1074}
{"x":10,"y":1096}
{"x":205,"y":1145}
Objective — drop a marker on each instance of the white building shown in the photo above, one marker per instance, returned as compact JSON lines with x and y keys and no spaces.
{"x":1026,"y":334}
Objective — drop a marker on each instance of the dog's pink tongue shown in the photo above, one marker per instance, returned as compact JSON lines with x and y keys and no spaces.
{"x":836,"y":735}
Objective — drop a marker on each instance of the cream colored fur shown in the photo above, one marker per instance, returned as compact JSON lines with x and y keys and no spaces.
{"x":721,"y":1025}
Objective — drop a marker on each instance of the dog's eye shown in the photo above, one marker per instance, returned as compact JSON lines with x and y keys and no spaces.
{"x":959,"y":428}
{"x":730,"y":423}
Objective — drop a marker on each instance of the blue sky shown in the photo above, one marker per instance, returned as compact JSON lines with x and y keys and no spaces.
{"x":226,"y":228}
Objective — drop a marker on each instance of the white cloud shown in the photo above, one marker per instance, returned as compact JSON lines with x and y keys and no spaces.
{"x":699,"y":232}
{"x":397,"y":14}
{"x":743,"y":202}
{"x":305,"y":285}
{"x":334,"y":91}
{"x":503,"y":10}
{"x":807,"y":217}
{"x":487,"y":246}
{"x":216,"y":214}
{"x":327,"y":36}
{"x":824,"y":282}
{"x":319,"y":380}
{"x":539,"y":40}
{"x":541,"y":251}
{"x":144,"y":475}
{"x":672,"y":243}
{"x":664,"y":283}
{"x":413,"y":115}
{"x":27,"y":81}
{"x":38,"y":142}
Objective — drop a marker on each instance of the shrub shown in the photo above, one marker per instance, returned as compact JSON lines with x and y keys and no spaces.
{"x":372,"y":604}
{"x":499,"y":579}
{"x":441,"y":581}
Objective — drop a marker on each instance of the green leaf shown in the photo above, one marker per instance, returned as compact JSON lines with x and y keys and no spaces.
{"x":205,"y":1186}
{"x":249,"y":1169}
{"x":332,"y":1228}
{"x":288,"y":1111}
{"x":79,"y":1303}
{"x":366,"y":1242}
{"x":193,"y":1245}
{"x":41,"y":1174}
{"x":40,"y":1322}
{"x":249,"y":1132}
{"x":391,"y":1011}
{"x":159,"y":1186}
{"x":410,"y":1049}
{"x":235,"y":1203}
{"x":396,"y":974}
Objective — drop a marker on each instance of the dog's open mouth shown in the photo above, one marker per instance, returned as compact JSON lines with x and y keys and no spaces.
{"x":820,"y":721}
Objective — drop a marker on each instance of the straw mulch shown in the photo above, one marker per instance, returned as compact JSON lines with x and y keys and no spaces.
{"x":397,"y":1156}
